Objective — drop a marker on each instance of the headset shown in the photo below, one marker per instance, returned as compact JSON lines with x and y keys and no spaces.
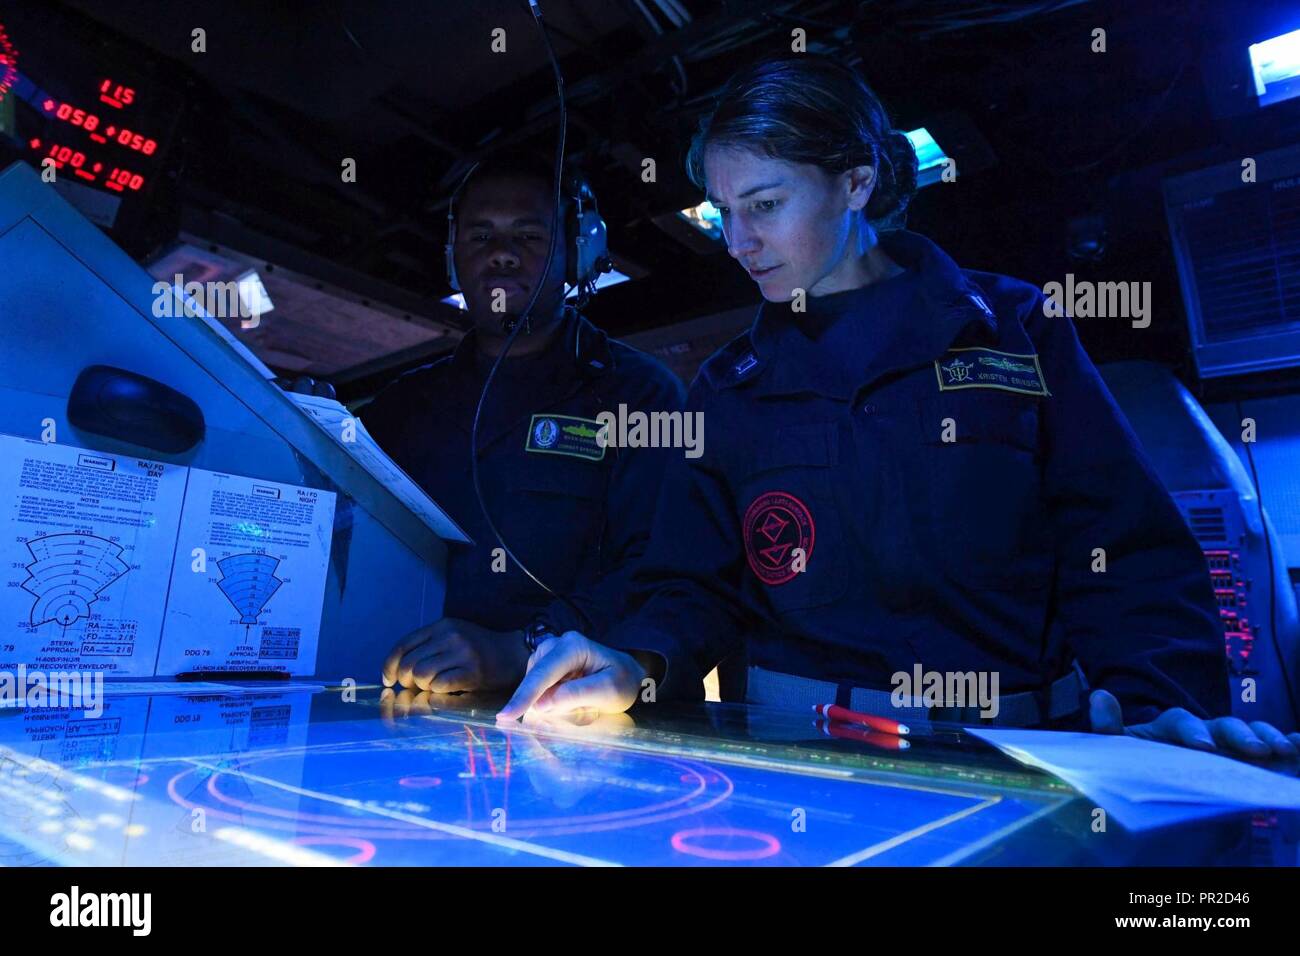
{"x":585,"y":236}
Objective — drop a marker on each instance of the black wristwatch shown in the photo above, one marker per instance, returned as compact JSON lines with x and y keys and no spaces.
{"x":535,"y":632}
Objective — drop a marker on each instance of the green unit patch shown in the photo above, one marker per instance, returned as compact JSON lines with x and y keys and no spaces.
{"x":989,"y":368}
{"x":564,"y":435}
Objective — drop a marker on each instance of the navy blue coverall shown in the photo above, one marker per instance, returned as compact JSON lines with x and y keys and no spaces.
{"x":577,"y":515}
{"x":825,"y":448}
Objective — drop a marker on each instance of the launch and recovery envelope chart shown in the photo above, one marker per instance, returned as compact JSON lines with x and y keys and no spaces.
{"x":140,"y":568}
{"x":248,"y":581}
{"x":251,"y":561}
{"x":67,"y":573}
{"x":86,"y":543}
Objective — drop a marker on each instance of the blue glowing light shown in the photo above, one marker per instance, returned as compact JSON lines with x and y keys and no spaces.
{"x":706,"y":218}
{"x":930,"y":157}
{"x":1275,"y":64}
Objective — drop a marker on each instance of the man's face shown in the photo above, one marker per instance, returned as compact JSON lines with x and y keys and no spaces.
{"x":791,"y":225}
{"x":502,"y":233}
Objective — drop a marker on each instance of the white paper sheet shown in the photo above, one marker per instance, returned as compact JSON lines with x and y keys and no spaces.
{"x":1145,"y":784}
{"x":86,"y":545}
{"x":348,"y":432}
{"x":139,"y":568}
{"x":252,"y":599}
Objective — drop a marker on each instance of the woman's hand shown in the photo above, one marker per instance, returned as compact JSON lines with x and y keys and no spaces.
{"x":571,"y":672}
{"x":1231,"y":735}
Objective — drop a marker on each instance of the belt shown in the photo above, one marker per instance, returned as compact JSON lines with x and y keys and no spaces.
{"x":1026,"y":709}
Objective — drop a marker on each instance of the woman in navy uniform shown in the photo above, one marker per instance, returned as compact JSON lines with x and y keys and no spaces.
{"x":907,"y":464}
{"x":576,"y":513}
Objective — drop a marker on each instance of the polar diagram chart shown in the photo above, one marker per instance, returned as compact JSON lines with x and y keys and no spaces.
{"x":67,"y":573}
{"x":248,"y":581}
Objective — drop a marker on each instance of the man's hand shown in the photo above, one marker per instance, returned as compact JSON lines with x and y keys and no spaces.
{"x":398,"y":705}
{"x":571,"y":672}
{"x":1177,"y":726}
{"x":453,"y":655}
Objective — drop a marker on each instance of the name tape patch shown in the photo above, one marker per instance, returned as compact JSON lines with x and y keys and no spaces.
{"x":564,"y":435}
{"x":989,"y":368}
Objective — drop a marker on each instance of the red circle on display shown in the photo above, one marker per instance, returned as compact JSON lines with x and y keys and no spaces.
{"x":683,"y":842}
{"x":365,"y":849}
{"x":257,"y":809}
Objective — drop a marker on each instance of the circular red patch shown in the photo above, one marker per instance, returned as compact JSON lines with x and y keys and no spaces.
{"x":776,"y":523}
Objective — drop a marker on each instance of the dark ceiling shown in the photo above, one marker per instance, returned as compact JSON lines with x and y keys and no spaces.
{"x":1044,"y":129}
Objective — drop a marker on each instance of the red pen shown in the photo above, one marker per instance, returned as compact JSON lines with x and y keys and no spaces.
{"x":850,"y":732}
{"x":843,"y":714}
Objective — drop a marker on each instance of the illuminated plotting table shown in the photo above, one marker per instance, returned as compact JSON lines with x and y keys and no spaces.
{"x":252,"y":776}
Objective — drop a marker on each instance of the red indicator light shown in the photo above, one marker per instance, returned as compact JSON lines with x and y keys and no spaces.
{"x":110,"y":131}
{"x":36,"y":144}
{"x":48,"y":105}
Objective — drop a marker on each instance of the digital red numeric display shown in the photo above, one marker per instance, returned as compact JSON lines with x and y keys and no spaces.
{"x":136,"y":141}
{"x":118,"y":179}
{"x":115,"y":94}
{"x":123,"y":179}
{"x":97,"y":161}
{"x":90,"y":122}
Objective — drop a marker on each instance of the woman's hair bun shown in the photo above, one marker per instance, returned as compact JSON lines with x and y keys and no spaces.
{"x":896,"y":171}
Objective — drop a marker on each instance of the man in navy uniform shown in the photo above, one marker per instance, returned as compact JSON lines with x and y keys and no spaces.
{"x":576,"y":513}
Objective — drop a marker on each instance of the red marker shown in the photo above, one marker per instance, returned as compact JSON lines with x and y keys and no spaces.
{"x":882,"y":724}
{"x":850,"y":732}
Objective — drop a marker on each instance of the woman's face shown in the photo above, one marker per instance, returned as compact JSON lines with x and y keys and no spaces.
{"x":791,"y":225}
